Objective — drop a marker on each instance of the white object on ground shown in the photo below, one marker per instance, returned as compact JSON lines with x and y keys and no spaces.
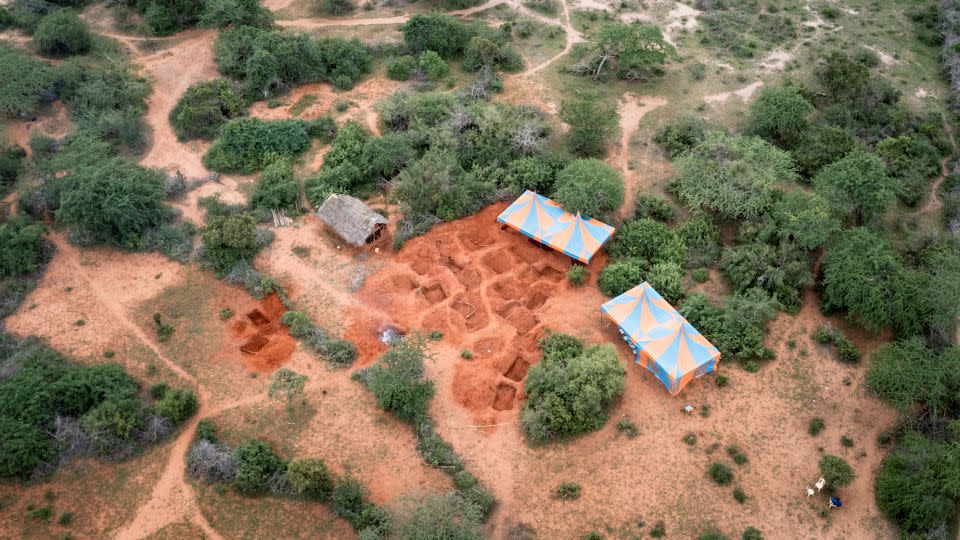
{"x":820,"y":483}
{"x":809,"y":491}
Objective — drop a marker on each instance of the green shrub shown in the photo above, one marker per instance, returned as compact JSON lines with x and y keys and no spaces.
{"x":751,"y":533}
{"x":815,"y":426}
{"x":837,"y":472}
{"x":228,"y":240}
{"x":323,"y":128}
{"x":206,"y":430}
{"x":701,"y":239}
{"x":22,"y":248}
{"x":340,"y":353}
{"x":401,"y":68}
{"x":647,"y":239}
{"x":347,"y":501}
{"x":621,"y":276}
{"x":570,"y":394}
{"x":659,"y":530}
{"x":62,"y":33}
{"x":737,"y":328}
{"x":917,"y":484}
{"x":437,"y":516}
{"x":721,"y":473}
{"x":700,"y":275}
{"x":65,"y":519}
{"x":722,"y":381}
{"x":178,"y":405}
{"x":277,"y":187}
{"x":736,"y":455}
{"x":906,"y":374}
{"x":335,"y":7}
{"x":577,"y":275}
{"x":846,"y":441}
{"x":589,"y":186}
{"x":630,"y":51}
{"x":120,"y":418}
{"x":779,"y":268}
{"x":25,"y":83}
{"x":435,"y":451}
{"x":398,"y":380}
{"x":625,"y":425}
{"x":739,"y":495}
{"x":433,"y":31}
{"x":157,"y":391}
{"x":780,"y":115}
{"x":667,"y":279}
{"x":490,"y":50}
{"x":43,"y":513}
{"x":804,"y":219}
{"x":205,"y":107}
{"x":432,"y":65}
{"x":235,"y":13}
{"x":820,"y":146}
{"x":244,"y":145}
{"x":309,"y":477}
{"x":593,"y":122}
{"x":652,"y":206}
{"x":712,"y":534}
{"x":23,"y":448}
{"x":735,"y":176}
{"x":114,"y":201}
{"x":857,"y":186}
{"x":256,"y":462}
{"x":682,"y":134}
{"x":560,"y":347}
{"x":568,"y":490}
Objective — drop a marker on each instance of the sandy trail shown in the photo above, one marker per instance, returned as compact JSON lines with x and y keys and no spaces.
{"x":570,"y":34}
{"x":744,"y":93}
{"x":933,"y":201}
{"x":172,"y":499}
{"x":632,"y":110}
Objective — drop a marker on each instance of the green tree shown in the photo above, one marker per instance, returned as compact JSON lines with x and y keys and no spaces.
{"x":906,"y":373}
{"x":244,"y":145}
{"x":348,"y":145}
{"x":23,"y":448}
{"x":178,"y":405}
{"x":735,"y":176}
{"x":310,"y":478}
{"x":205,"y":107}
{"x":447,"y":516}
{"x":589,"y":186}
{"x":667,"y":279}
{"x":571,"y":395}
{"x":682,"y":134}
{"x":113,"y":201}
{"x":857,"y":186}
{"x":286,"y":385}
{"x":804,"y":219}
{"x":398,"y":379}
{"x":228,"y":240}
{"x":862,"y":275}
{"x":62,"y":33}
{"x":592,"y":123}
{"x":234,"y":13}
{"x":780,"y":115}
{"x":631,"y":51}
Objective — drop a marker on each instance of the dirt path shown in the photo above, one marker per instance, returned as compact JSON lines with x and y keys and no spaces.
{"x":632,"y":110}
{"x":108,"y":302}
{"x":933,"y":201}
{"x":570,"y":34}
{"x":172,"y":498}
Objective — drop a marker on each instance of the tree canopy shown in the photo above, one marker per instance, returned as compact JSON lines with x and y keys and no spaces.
{"x":857,"y":186}
{"x":592,"y":123}
{"x":733,"y":175}
{"x":780,"y":115}
{"x":589,"y":186}
{"x":629,"y":51}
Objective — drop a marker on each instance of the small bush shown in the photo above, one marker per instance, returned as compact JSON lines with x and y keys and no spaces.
{"x":659,"y":529}
{"x":836,"y":471}
{"x":846,"y":442}
{"x":752,"y":533}
{"x":720,"y":473}
{"x":568,"y":490}
{"x":722,"y":380}
{"x":206,"y":430}
{"x":256,"y":463}
{"x":652,"y":206}
{"x":244,"y":145}
{"x":681,"y":135}
{"x":432,"y":65}
{"x":816,"y":426}
{"x":205,"y":107}
{"x":157,"y":391}
{"x":66,"y":519}
{"x":711,"y":534}
{"x":401,"y":68}
{"x":739,"y":495}
{"x":310,"y":478}
{"x":164,"y":330}
{"x":577,"y":275}
{"x":44,"y":513}
{"x":398,"y":380}
{"x":736,"y":454}
{"x":466,"y":354}
{"x":62,"y":33}
{"x":226,"y":314}
{"x":625,"y":425}
{"x":690,"y":438}
{"x":177,"y":405}
{"x":621,"y":276}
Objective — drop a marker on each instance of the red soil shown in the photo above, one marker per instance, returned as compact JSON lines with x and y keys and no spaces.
{"x":258,"y":333}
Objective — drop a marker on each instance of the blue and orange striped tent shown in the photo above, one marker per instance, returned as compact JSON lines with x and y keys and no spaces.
{"x":661,"y":339}
{"x":545,"y":221}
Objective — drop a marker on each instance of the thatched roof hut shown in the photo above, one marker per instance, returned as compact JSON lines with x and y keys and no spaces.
{"x":352,"y":220}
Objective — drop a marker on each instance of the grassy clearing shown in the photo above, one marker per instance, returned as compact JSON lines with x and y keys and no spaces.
{"x":83,"y":488}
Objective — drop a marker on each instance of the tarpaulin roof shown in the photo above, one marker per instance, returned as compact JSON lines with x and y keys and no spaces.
{"x":664,"y":342}
{"x":547,"y":222}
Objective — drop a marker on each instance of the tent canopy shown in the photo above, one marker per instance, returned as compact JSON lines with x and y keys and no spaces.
{"x":662,"y":340}
{"x":545,"y":221}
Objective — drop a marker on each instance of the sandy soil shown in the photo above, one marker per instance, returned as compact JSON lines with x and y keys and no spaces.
{"x":681,"y":18}
{"x":475,"y":283}
{"x":776,"y":60}
{"x":632,"y":110}
{"x":53,"y":122}
{"x":744,"y":93}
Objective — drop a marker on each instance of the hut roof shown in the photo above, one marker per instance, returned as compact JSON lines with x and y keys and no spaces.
{"x":350,"y":218}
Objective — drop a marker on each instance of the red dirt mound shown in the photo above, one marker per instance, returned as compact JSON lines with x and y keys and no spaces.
{"x":265,"y":342}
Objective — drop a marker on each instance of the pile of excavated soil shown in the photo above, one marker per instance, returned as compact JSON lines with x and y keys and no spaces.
{"x":265,"y":342}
